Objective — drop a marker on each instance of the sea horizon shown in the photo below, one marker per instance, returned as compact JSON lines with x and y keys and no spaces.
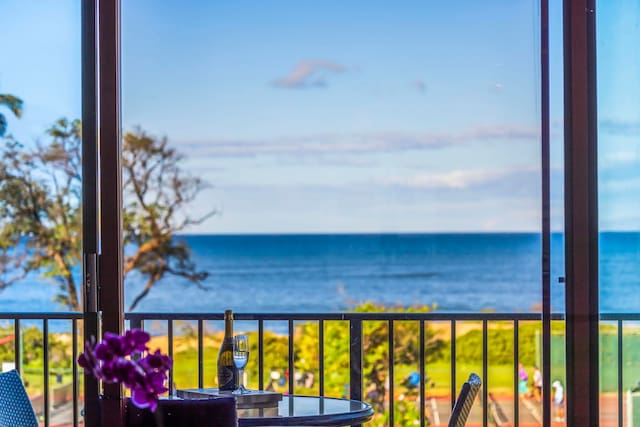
{"x":457,"y":272}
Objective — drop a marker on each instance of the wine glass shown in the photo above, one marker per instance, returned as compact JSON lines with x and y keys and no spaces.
{"x":240,"y":358}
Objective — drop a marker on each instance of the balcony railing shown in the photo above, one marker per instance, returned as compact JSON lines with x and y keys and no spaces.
{"x":49,"y":398}
{"x":356,"y":324}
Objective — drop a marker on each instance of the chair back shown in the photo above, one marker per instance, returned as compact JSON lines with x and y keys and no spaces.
{"x":15,"y":406}
{"x":465,"y":401}
{"x":177,"y":412}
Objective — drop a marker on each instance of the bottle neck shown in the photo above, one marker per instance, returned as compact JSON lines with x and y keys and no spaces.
{"x":228,"y":328}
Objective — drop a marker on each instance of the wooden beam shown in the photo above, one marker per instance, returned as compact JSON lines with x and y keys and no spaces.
{"x":111,"y":253}
{"x":90,"y":201}
{"x":581,"y":213}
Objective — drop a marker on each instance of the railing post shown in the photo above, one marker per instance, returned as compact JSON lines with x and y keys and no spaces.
{"x":355,"y":359}
{"x":91,"y":385}
{"x":135,"y":322}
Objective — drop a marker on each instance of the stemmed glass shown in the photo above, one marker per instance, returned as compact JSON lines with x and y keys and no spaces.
{"x":240,"y":358}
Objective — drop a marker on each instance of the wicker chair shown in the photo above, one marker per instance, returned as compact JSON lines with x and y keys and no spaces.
{"x":465,"y":401}
{"x":15,"y":406}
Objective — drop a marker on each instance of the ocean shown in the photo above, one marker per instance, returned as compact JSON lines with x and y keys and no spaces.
{"x":333,"y":272}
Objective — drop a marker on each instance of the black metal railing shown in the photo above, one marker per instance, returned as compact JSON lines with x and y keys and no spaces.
{"x":356,"y":323}
{"x":42,"y":321}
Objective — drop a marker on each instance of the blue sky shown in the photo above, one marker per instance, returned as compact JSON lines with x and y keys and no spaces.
{"x":344,"y":116}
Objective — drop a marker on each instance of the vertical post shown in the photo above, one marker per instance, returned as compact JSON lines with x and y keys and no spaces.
{"x":17,"y":346}
{"x":292,"y":365}
{"x":261,"y":355}
{"x":136,"y":322}
{"x":90,"y":201}
{"x":111,"y":283}
{"x":423,"y":377}
{"x":45,"y":373}
{"x":620,"y":373}
{"x":545,"y":142}
{"x":200,"y":353}
{"x":391,"y":374}
{"x":74,"y":370}
{"x":629,"y":409}
{"x":170,"y":344}
{"x":516,"y":376}
{"x":453,"y":363}
{"x":355,"y":359}
{"x":321,"y":357}
{"x":485,"y":373}
{"x":581,"y":213}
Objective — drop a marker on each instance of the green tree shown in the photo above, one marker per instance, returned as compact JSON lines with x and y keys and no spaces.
{"x":375,"y":348}
{"x":157,"y":193}
{"x":40,"y":207}
{"x":14,"y":104}
{"x":40,"y":200}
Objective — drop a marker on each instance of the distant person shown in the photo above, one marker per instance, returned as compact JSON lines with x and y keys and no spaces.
{"x":537,"y":383}
{"x":558,"y":401}
{"x":412,"y":381}
{"x":274,"y":376}
{"x":523,"y":378}
{"x":309,"y":379}
{"x":372,"y":393}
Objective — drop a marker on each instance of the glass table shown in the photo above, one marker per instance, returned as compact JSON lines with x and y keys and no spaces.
{"x":307,"y":411}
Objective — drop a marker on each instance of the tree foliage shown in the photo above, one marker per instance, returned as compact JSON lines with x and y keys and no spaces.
{"x":14,"y":104}
{"x":375,"y":348}
{"x":157,"y":193}
{"x":40,"y":196}
{"x":40,"y":210}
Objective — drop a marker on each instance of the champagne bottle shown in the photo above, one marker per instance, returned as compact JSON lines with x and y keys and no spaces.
{"x":227,"y":372}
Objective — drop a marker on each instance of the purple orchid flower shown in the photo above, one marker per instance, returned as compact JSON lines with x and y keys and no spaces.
{"x":109,"y":361}
{"x":136,"y":340}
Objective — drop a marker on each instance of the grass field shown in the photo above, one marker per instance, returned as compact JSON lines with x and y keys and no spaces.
{"x":500,"y":377}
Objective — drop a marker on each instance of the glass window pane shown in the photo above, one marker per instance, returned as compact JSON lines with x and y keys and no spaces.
{"x":354,"y":151}
{"x":40,"y":197}
{"x":40,"y":108}
{"x":619,"y":205}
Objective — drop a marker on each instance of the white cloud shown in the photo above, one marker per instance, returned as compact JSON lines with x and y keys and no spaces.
{"x":497,"y":87}
{"x":309,"y":74}
{"x":457,"y":179}
{"x":363,"y":142}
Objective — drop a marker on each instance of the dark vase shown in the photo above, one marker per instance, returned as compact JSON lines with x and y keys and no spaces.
{"x":175,"y":412}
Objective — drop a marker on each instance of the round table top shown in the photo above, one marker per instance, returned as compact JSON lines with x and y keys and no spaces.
{"x":308,"y":411}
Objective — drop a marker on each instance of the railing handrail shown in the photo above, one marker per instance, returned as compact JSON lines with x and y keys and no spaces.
{"x":435,"y":316}
{"x":355,"y":322}
{"x":41,"y":316}
{"x":395,"y":316}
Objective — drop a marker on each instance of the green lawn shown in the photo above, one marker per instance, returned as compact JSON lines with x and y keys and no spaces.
{"x":500,"y":378}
